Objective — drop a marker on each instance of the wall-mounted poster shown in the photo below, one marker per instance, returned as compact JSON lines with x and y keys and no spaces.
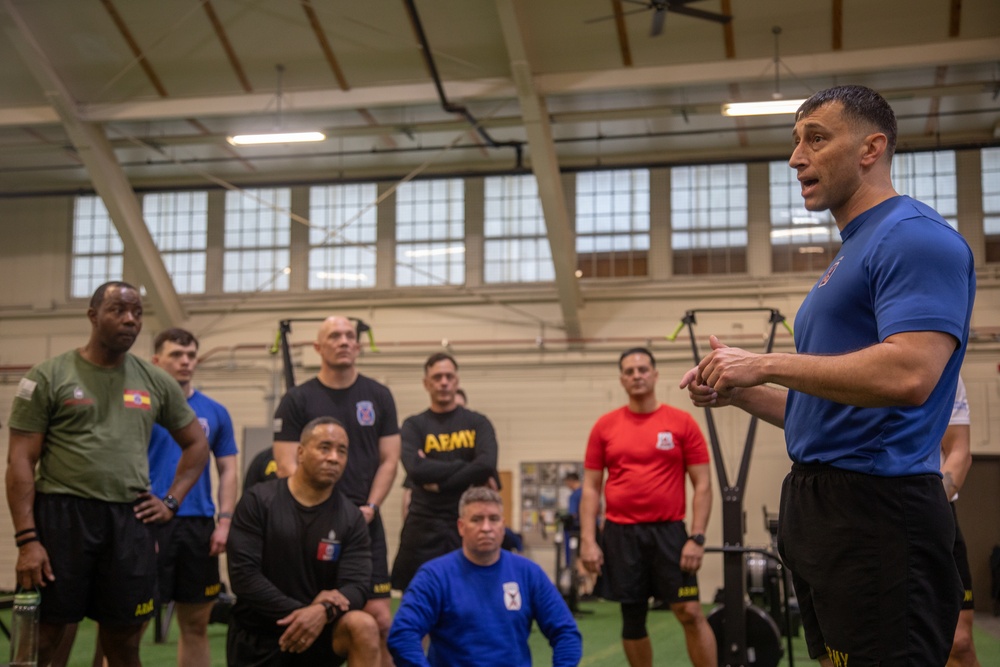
{"x":544,"y":498}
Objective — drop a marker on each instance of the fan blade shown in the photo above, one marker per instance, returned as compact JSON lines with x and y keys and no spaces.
{"x":658,"y":18}
{"x":699,"y":14}
{"x":611,"y":16}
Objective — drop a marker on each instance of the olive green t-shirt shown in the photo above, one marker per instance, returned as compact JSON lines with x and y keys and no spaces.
{"x":97,"y":422}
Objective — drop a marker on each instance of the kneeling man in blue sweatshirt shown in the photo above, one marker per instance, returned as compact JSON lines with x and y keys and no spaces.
{"x":478,"y":602}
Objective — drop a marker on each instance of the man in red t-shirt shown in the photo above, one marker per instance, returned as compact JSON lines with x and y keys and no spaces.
{"x":647,"y":448}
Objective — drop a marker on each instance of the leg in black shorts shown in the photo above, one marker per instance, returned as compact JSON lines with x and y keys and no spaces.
{"x":422,"y":539}
{"x":187,"y":573}
{"x":872,"y":565}
{"x":103,"y":558}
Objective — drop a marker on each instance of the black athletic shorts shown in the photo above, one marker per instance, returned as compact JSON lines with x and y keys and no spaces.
{"x":962,"y":561}
{"x":186,"y":571}
{"x":254,"y":649}
{"x":422,"y":539}
{"x":872,"y":565}
{"x":643,"y":560}
{"x":103,"y":559}
{"x":381,"y":587}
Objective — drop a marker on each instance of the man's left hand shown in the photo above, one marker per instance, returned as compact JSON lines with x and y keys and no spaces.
{"x":304,"y":625}
{"x":368,"y":512}
{"x":219,"y":538}
{"x":691,"y":557}
{"x":150,"y":509}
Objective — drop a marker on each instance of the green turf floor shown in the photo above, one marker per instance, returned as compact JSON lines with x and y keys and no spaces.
{"x":600,"y":630}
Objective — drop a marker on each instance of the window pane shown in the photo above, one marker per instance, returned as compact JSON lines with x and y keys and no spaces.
{"x":930,"y":178}
{"x":97,"y":248}
{"x":430,"y":233}
{"x":516,"y":248}
{"x":342,"y":236}
{"x":711,"y":202}
{"x":256,"y":238}
{"x":612,"y":223}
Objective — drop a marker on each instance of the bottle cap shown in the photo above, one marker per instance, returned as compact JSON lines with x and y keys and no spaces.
{"x":27,"y":598}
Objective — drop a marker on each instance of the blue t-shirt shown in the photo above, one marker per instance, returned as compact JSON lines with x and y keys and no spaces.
{"x":164,"y":454}
{"x":481,"y":616}
{"x":901,"y":268}
{"x":574,"y":503}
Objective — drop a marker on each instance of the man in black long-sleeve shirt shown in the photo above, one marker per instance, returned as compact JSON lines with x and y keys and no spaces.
{"x":446,"y":449}
{"x":300,"y":565}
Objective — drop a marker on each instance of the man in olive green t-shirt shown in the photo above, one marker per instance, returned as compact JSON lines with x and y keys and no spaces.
{"x":82,"y":520}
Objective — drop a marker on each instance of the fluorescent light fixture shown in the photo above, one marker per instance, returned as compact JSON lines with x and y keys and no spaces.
{"x":275,"y":138}
{"x":766,"y":108}
{"x":799,"y":231}
{"x":811,"y":250}
{"x":433,"y":252}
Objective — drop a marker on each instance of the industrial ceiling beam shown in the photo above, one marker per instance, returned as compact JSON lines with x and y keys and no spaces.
{"x":545,"y":166}
{"x":840,"y":64}
{"x":106,"y":174}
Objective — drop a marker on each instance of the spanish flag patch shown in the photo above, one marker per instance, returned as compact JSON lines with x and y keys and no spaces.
{"x":135,"y":398}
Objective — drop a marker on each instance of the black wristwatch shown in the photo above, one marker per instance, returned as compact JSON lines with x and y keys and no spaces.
{"x":171,"y":503}
{"x":698,"y":538}
{"x":331,"y":611}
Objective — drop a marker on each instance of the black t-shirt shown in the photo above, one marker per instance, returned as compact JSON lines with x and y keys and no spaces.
{"x":261,"y":469}
{"x":366,"y":409}
{"x":281,"y":554}
{"x":460,"y":449}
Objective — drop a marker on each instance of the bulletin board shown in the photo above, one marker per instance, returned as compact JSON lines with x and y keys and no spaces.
{"x":543,"y":498}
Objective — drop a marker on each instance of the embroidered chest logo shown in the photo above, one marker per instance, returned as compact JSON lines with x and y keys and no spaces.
{"x":665,"y":440}
{"x":329,"y":548}
{"x":365,"y":412}
{"x":136,"y":398}
{"x":829,"y":273}
{"x":512,"y":596}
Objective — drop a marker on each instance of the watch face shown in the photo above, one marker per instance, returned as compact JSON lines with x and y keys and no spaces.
{"x":698,"y":539}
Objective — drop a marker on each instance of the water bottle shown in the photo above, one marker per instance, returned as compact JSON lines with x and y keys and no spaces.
{"x":24,"y":629}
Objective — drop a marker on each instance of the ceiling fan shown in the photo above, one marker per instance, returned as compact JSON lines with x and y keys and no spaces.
{"x":660,"y":9}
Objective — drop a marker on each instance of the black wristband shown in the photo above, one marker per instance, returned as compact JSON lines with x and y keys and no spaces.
{"x":27,"y":540}
{"x":225,"y":515}
{"x":21,"y":533}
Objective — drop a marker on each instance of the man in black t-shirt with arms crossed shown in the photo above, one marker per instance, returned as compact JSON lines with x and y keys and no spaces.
{"x":446,"y":449}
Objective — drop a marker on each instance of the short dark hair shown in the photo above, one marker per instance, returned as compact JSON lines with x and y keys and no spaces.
{"x":571,"y":476}
{"x":636,"y":350}
{"x":479,"y":494}
{"x":437,"y":357}
{"x":176,"y":335}
{"x":861,"y":106}
{"x":319,"y":421}
{"x":461,"y":392}
{"x":98,"y":298}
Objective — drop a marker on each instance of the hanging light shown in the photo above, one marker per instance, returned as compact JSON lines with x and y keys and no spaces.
{"x":776,"y":105}
{"x":276,"y":137}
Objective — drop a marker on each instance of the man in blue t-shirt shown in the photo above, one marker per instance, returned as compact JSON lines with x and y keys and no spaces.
{"x":190,"y":544}
{"x":865,"y":526}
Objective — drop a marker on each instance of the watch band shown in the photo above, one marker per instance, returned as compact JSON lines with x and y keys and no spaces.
{"x":172,"y":503}
{"x":331,"y":611}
